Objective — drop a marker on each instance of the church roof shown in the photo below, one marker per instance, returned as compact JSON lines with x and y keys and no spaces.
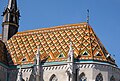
{"x":54,"y":44}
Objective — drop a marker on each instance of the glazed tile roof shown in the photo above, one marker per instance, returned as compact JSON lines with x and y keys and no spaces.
{"x":54,"y":44}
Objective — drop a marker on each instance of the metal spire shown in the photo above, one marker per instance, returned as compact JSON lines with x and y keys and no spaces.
{"x":88,"y":16}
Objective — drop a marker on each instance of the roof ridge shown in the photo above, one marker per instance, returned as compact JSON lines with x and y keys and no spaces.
{"x":50,"y":28}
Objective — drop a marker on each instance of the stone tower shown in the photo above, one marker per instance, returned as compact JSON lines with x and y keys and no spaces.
{"x":10,"y":23}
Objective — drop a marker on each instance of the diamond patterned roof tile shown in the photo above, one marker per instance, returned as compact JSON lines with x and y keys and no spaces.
{"x":55,"y":41}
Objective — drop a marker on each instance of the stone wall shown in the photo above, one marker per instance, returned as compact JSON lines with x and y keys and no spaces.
{"x":26,"y":74}
{"x":12,"y":74}
{"x":90,"y":70}
{"x":3,"y":73}
{"x":93,"y":70}
{"x":59,"y":71}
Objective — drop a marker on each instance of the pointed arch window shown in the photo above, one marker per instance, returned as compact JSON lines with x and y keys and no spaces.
{"x":53,"y":78}
{"x":11,"y":18}
{"x":82,"y":77}
{"x":99,"y":77}
{"x":112,"y":78}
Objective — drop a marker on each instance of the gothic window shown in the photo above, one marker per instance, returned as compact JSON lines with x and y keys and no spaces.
{"x":82,"y":77}
{"x":112,"y":78}
{"x":53,"y":78}
{"x":99,"y":77}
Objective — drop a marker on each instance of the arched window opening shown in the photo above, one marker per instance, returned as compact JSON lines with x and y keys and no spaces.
{"x":112,"y":78}
{"x":11,"y":17}
{"x":99,"y":77}
{"x":53,"y":78}
{"x":82,"y":77}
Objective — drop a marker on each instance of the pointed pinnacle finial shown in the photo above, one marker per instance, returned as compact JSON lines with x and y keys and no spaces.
{"x":38,"y":55}
{"x":70,"y":53}
{"x":38,"y":49}
{"x":12,"y":4}
{"x":88,"y":16}
{"x":71,"y":49}
{"x":70,"y":44}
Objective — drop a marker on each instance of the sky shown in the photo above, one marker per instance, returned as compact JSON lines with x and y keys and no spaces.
{"x":104,"y":17}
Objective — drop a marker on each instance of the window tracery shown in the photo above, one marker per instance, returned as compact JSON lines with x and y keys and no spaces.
{"x":82,"y":77}
{"x":53,"y":78}
{"x":99,"y":77}
{"x":112,"y":78}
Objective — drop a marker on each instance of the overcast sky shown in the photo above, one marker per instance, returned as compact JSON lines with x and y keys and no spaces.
{"x":104,"y":17}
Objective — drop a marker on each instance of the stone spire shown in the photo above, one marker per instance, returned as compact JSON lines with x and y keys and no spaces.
{"x":10,"y":23}
{"x":70,"y":64}
{"x":37,"y":65}
{"x":19,"y":77}
{"x":12,"y":4}
{"x":70,"y":54}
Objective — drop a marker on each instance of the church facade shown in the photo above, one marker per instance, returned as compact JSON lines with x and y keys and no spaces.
{"x":70,"y":52}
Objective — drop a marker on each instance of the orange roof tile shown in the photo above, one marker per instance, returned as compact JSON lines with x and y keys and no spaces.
{"x":55,"y":41}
